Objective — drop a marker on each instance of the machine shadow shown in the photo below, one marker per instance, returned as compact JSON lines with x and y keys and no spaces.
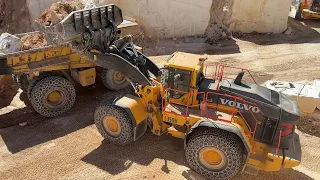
{"x":117,"y":159}
{"x":197,"y":45}
{"x":14,"y":117}
{"x":41,"y":129}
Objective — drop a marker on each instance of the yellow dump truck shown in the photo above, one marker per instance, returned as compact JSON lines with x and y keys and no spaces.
{"x":48,"y":75}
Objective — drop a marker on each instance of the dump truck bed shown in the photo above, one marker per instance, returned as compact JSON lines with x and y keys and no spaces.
{"x":54,"y":56}
{"x":33,"y":59}
{"x":24,"y":60}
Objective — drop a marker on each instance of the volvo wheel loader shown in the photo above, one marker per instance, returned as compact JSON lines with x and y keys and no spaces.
{"x":228,"y":125}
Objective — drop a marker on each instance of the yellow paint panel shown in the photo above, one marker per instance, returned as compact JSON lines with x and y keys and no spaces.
{"x":39,"y":56}
{"x":27,"y":57}
{"x":74,"y":58}
{"x":136,"y":106}
{"x":193,"y":119}
{"x":176,"y":134}
{"x":270,"y":162}
{"x":185,"y":61}
{"x":290,"y":163}
{"x":174,"y":119}
{"x":87,"y":77}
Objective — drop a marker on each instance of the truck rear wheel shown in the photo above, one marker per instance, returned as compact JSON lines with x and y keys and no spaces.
{"x":113,"y":80}
{"x":214,"y":153}
{"x":114,"y":124}
{"x":52,"y":96}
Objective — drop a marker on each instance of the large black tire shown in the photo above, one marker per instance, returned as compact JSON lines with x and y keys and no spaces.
{"x":22,"y":81}
{"x":40,"y":96}
{"x":32,"y":83}
{"x":226,"y":144}
{"x":121,"y":136}
{"x":112,"y":81}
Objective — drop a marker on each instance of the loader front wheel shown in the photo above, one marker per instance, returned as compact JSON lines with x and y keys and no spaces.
{"x":214,"y":153}
{"x":114,"y":124}
{"x":113,"y":80}
{"x":52,"y":96}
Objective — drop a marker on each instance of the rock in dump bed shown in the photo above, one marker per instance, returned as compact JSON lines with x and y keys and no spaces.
{"x":57,"y":12}
{"x":10,"y":43}
{"x":33,"y":41}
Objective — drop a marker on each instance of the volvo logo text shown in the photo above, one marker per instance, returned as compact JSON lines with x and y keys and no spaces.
{"x":239,"y":105}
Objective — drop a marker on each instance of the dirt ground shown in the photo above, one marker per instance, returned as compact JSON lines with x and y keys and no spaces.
{"x":70,"y":147}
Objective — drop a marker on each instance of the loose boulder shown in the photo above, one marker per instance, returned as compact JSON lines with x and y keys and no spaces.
{"x":57,"y":12}
{"x":9,"y":43}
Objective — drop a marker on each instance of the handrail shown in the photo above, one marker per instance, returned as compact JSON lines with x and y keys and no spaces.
{"x":186,"y":105}
{"x":219,"y":72}
{"x":206,"y":104}
{"x":246,"y":104}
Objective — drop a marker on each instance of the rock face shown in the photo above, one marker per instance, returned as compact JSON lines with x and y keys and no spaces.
{"x":14,"y":17}
{"x":9,"y":43}
{"x":220,"y":20}
{"x":57,"y":12}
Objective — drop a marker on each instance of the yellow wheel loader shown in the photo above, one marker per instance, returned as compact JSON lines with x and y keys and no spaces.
{"x":308,"y":9}
{"x":228,"y":125}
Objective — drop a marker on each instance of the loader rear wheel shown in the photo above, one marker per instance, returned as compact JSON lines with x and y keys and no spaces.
{"x":113,"y":80}
{"x":52,"y":96}
{"x":114,"y":124}
{"x":214,"y":153}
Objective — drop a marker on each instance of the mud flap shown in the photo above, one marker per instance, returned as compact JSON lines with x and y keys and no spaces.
{"x":140,"y":129}
{"x":4,"y":68}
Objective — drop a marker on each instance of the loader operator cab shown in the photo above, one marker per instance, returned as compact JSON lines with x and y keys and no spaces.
{"x":184,"y":73}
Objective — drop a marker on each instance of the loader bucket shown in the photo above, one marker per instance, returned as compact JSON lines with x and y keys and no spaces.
{"x":73,"y":27}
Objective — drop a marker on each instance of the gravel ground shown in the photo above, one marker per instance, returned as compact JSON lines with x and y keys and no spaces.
{"x":70,"y":147}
